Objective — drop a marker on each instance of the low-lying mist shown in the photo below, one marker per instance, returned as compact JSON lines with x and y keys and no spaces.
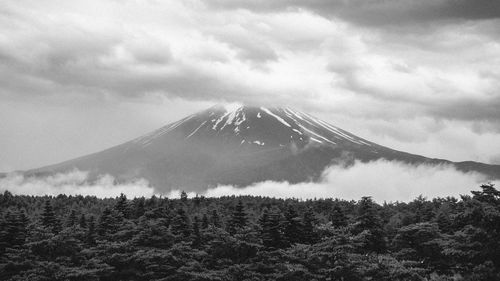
{"x":74,"y":183}
{"x":383,"y":180}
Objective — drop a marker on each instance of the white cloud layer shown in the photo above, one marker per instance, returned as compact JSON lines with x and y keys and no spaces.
{"x":74,"y":183}
{"x":381,"y":179}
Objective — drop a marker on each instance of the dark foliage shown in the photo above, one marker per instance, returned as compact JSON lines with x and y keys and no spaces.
{"x":249,"y":238}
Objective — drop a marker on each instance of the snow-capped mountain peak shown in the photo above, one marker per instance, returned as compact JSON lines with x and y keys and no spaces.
{"x":257,"y":126}
{"x":239,"y":145}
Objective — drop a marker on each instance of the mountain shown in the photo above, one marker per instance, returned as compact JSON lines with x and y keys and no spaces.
{"x":240,"y":146}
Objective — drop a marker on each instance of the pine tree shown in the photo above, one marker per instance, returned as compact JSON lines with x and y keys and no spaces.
{"x":197,"y":200}
{"x":369,"y":225}
{"x":24,"y":222}
{"x":90,"y":236}
{"x":422,"y":209}
{"x":196,"y":231}
{"x":308,"y":234}
{"x":488,"y":194}
{"x":4,"y":236}
{"x":338,"y":217}
{"x":13,"y":231}
{"x":444,"y":221}
{"x":184,"y":197}
{"x":49,"y":219}
{"x":264,"y":217}
{"x":6,"y":198}
{"x":107,"y":223}
{"x":71,"y":221}
{"x":293,"y":226}
{"x":214,"y":218}
{"x":139,"y":207}
{"x":122,"y":205}
{"x":238,"y":218}
{"x":271,"y":229}
{"x":83,"y":221}
{"x":180,"y":224}
{"x":205,"y":222}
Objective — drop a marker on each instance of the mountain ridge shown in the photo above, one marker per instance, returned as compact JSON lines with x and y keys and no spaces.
{"x":240,"y":146}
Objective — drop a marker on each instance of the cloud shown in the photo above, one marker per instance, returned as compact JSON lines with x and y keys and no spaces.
{"x":360,"y":61}
{"x":293,"y":57}
{"x":73,"y":183}
{"x":378,"y":12}
{"x":383,"y":180}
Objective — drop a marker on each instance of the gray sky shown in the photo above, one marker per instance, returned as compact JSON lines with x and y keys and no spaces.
{"x":416,"y":75}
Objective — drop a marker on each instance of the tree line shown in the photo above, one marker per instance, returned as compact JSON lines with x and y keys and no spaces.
{"x":249,"y":238}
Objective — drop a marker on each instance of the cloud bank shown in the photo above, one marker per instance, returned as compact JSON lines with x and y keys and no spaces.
{"x":378,"y":12}
{"x":74,"y":183}
{"x":383,"y":180}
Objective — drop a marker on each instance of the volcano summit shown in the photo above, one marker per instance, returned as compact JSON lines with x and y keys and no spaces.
{"x":240,"y":146}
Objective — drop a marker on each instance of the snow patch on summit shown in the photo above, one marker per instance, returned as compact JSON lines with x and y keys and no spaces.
{"x":232,"y":107}
{"x":275,"y":116}
{"x":235,"y":117}
{"x":196,"y":130}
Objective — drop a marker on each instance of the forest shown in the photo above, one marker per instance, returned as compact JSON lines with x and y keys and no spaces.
{"x":249,"y":238}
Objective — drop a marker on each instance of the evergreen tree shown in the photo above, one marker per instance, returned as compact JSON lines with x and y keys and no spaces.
{"x":293,"y":226}
{"x":184,"y":197}
{"x":369,"y":226}
{"x":214,"y":218}
{"x":271,"y":229}
{"x":121,"y":205}
{"x":107,"y":223}
{"x":90,"y":236}
{"x":480,"y":235}
{"x":488,"y":194}
{"x":196,"y":232}
{"x":13,"y":231}
{"x":421,"y":209}
{"x":83,"y":221}
{"x":420,"y":242}
{"x":6,"y":198}
{"x":180,"y":224}
{"x":24,"y":221}
{"x":238,"y":218}
{"x":197,"y":200}
{"x":71,"y":220}
{"x":308,"y":234}
{"x":49,"y":219}
{"x":4,"y":236}
{"x":264,"y":217}
{"x":444,"y":221}
{"x":139,"y":207}
{"x":338,"y":217}
{"x":205,"y":222}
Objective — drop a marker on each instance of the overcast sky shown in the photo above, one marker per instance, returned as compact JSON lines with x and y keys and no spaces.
{"x":416,"y":75}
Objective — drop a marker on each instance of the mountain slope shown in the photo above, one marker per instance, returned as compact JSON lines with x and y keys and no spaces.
{"x":239,"y":146}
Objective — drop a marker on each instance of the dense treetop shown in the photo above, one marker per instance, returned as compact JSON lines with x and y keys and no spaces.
{"x":249,"y":238}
